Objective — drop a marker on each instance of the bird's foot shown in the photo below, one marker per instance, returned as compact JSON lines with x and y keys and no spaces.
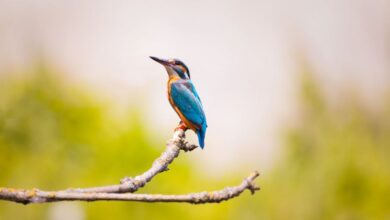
{"x":181,"y":126}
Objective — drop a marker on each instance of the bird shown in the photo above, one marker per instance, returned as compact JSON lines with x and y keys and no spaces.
{"x":184,"y":98}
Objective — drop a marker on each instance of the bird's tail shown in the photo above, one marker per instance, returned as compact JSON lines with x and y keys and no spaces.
{"x":201,"y":136}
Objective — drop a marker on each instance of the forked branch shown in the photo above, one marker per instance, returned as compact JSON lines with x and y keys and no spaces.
{"x":124,"y":190}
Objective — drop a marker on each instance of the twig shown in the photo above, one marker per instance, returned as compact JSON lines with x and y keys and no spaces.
{"x":129,"y":184}
{"x":38,"y":196}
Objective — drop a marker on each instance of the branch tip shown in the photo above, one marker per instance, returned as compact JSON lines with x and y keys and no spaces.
{"x":250,"y":181}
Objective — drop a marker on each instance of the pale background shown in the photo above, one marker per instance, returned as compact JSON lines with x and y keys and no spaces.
{"x":242,"y":56}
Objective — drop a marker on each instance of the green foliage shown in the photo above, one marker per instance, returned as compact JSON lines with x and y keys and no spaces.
{"x":53,"y":135}
{"x":335,"y":164}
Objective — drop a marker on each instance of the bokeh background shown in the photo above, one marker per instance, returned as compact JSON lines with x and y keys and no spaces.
{"x":298,"y":90}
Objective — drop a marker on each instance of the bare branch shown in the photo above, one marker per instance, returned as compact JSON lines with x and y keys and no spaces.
{"x":38,"y":196}
{"x":129,"y":184}
{"x":124,"y":190}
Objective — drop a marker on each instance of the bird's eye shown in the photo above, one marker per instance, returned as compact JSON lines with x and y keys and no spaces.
{"x":182,"y":68}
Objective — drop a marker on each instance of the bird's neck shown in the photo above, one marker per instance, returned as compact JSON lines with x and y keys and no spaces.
{"x":172,"y":79}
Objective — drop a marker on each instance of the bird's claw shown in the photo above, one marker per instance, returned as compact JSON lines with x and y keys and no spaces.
{"x":181,"y":126}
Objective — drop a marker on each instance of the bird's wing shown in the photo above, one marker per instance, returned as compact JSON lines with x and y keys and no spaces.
{"x":187,"y":100}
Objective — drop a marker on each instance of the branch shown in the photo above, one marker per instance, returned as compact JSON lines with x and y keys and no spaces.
{"x":124,"y":190}
{"x":160,"y":165}
{"x":38,"y":196}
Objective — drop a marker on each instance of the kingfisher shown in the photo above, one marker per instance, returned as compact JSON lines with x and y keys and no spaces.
{"x":184,"y":98}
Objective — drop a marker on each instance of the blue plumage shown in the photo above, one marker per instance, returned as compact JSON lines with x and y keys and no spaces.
{"x":187,"y":100}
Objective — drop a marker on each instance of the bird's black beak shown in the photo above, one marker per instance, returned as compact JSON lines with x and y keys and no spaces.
{"x":161,"y":61}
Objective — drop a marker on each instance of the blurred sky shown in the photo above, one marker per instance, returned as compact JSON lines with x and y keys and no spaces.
{"x":244,"y":58}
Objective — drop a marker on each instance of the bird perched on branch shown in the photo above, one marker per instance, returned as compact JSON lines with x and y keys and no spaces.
{"x":183,"y":98}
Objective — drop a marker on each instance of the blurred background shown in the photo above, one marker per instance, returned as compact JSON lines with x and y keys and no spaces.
{"x":296,"y":90}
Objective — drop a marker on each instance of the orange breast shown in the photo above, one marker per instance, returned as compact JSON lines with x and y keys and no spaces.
{"x":182,"y":117}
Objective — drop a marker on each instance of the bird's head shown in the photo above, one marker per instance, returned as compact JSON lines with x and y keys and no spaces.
{"x":174,"y":67}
